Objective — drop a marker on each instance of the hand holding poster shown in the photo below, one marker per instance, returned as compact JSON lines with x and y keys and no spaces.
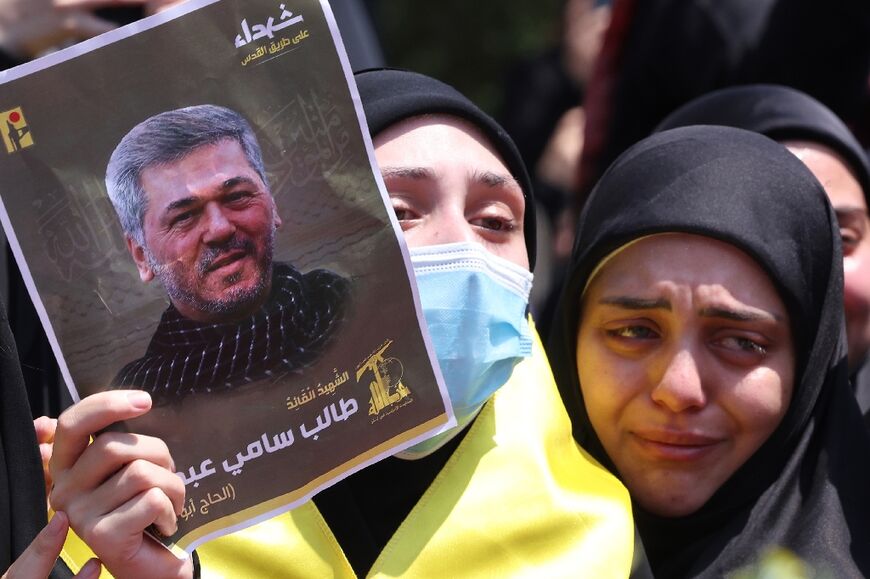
{"x":193,"y":203}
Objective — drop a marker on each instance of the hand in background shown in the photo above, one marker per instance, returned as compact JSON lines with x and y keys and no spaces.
{"x":38,"y":559}
{"x":30,"y":27}
{"x":45,"y":428}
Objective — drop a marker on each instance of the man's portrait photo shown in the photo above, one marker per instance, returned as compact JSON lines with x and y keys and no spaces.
{"x":198,"y":216}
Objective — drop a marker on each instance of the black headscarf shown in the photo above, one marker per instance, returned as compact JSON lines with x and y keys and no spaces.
{"x":783,"y":114}
{"x":22,"y":490}
{"x":779,"y":112}
{"x":806,"y":488}
{"x":389,"y":96}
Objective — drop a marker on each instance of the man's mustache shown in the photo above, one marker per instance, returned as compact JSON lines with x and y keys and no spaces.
{"x":213,"y":253}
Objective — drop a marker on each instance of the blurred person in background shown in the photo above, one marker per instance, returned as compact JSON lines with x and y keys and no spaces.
{"x":660,"y":55}
{"x":543,"y":113}
{"x":819,"y":138}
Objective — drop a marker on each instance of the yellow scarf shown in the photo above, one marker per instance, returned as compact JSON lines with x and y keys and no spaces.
{"x":518,"y":498}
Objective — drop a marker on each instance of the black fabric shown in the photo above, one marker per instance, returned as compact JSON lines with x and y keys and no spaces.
{"x":389,"y":96}
{"x":677,"y":50}
{"x":288,"y":333}
{"x":861,"y":385}
{"x":41,"y":376}
{"x":806,"y":486}
{"x":778,"y":112}
{"x":22,"y":490}
{"x":8,"y":61}
{"x":537,"y":93}
{"x":363,"y":527}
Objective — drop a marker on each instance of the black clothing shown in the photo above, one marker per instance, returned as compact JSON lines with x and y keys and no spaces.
{"x":288,"y":333}
{"x":778,"y":112}
{"x":363,"y":527}
{"x":390,"y":96}
{"x":8,"y":61}
{"x":538,"y":92}
{"x":22,"y":490}
{"x":673,"y":51}
{"x":806,"y":487}
{"x":861,"y":385}
{"x":41,"y":377}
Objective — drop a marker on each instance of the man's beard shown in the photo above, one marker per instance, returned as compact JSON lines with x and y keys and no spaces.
{"x":232,"y":300}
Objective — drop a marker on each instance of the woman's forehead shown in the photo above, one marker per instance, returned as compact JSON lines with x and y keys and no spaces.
{"x":651,"y":263}
{"x":424,"y":126}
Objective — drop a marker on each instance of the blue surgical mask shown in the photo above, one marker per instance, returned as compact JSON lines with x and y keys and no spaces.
{"x":475,"y":305}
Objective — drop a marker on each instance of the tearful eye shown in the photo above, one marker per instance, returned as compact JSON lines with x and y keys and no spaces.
{"x":744,"y":345}
{"x":633,"y":333}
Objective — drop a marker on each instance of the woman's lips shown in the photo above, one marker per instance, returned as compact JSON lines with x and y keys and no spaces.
{"x":674,"y":445}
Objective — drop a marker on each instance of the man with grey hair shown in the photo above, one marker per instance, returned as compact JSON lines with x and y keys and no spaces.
{"x":193,"y":199}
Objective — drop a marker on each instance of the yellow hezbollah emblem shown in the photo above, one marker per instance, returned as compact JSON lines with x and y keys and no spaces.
{"x":387,"y":387}
{"x":16,"y":133}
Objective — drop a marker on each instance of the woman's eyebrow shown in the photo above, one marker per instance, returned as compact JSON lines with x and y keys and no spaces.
{"x":491,"y":179}
{"x":632,"y":303}
{"x":739,"y":315}
{"x":417,"y":173}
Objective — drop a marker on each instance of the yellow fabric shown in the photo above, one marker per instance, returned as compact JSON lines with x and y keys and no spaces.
{"x":518,"y":498}
{"x":76,"y":553}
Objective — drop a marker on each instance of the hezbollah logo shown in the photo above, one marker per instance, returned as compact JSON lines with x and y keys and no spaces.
{"x":16,"y":133}
{"x":387,"y":387}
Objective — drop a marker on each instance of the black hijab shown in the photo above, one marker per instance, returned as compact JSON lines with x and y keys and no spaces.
{"x":783,"y":114}
{"x":779,"y":112}
{"x":22,"y":490}
{"x":806,"y":488}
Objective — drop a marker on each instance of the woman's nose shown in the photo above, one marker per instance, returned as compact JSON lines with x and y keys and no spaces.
{"x":680,"y":386}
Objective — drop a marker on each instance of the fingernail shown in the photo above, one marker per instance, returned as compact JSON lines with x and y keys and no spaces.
{"x":56,"y":524}
{"x":140,"y":400}
{"x":90,"y":569}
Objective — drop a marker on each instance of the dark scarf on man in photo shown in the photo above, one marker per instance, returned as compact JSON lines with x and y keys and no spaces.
{"x":783,"y":114}
{"x":806,"y":488}
{"x":288,"y":333}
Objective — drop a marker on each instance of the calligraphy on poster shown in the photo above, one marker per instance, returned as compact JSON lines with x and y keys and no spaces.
{"x":331,"y":414}
{"x":76,"y":230}
{"x":313,"y":142}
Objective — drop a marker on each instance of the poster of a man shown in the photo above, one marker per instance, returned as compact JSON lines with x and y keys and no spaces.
{"x":222,"y":241}
{"x":198,"y":215}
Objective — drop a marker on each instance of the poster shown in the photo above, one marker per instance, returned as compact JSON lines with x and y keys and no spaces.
{"x":253,"y":280}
